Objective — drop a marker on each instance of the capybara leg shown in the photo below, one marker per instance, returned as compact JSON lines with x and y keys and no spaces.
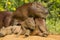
{"x":27,"y":33}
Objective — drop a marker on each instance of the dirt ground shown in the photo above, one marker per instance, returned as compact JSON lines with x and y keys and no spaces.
{"x":14,"y":37}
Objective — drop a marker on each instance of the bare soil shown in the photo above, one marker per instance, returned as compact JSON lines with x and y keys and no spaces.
{"x":21,"y":37}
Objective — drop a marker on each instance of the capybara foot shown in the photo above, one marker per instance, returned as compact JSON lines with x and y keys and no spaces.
{"x":45,"y":34}
{"x":27,"y":33}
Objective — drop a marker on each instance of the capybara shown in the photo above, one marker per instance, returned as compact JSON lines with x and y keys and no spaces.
{"x":35,"y":10}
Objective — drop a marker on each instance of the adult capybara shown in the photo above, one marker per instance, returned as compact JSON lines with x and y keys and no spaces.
{"x":35,"y":10}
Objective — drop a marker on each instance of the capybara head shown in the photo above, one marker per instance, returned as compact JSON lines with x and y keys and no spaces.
{"x":30,"y":23}
{"x":33,"y":9}
{"x":39,"y":10}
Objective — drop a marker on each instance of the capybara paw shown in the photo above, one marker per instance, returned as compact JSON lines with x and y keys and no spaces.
{"x":45,"y":34}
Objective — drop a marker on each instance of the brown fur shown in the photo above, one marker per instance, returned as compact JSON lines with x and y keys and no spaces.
{"x":40,"y":29}
{"x":30,"y":10}
{"x":28,"y":25}
{"x":5,"y":18}
{"x":5,"y":31}
{"x":35,"y":10}
{"x":10,"y":30}
{"x":16,"y":29}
